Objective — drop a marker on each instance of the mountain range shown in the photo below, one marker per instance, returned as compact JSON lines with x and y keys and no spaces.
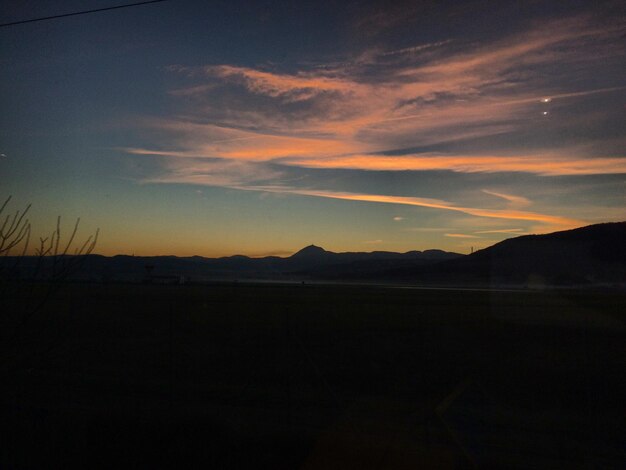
{"x":591,"y":255}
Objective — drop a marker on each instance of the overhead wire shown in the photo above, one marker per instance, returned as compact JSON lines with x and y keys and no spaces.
{"x":83,"y":12}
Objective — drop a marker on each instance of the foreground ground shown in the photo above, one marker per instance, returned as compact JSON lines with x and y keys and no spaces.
{"x":271,"y":376}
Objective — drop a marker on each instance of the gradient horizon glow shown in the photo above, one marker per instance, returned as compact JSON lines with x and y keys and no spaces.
{"x":257,"y":128}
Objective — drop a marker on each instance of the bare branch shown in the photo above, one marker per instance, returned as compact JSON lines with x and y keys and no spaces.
{"x":69,"y":243}
{"x":5,"y":204}
{"x":27,"y":242}
{"x":6,"y":220}
{"x":58,"y":232}
{"x":12,"y":230}
{"x":17,"y":226}
{"x":80,"y":251}
{"x":18,"y":238}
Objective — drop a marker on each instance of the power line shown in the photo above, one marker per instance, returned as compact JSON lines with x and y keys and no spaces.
{"x":32,"y":20}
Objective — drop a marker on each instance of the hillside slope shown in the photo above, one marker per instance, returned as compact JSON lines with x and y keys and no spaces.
{"x":595,"y":254}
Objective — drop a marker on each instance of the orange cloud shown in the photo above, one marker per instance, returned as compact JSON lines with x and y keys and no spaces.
{"x":459,"y":235}
{"x":504,"y":230}
{"x":320,"y":153}
{"x":547,"y":165}
{"x":351,"y":116}
{"x":294,"y":87}
{"x":346,"y":119}
{"x":518,"y":201}
{"x":564,"y":222}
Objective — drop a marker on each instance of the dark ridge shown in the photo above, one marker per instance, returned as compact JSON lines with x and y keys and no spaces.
{"x":588,"y":256}
{"x":310,"y":251}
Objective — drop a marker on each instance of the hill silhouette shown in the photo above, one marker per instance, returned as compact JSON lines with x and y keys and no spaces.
{"x":308,"y":263}
{"x":310,"y":252}
{"x":592,"y":255}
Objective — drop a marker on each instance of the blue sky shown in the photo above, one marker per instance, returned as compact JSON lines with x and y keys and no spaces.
{"x":260,"y":127}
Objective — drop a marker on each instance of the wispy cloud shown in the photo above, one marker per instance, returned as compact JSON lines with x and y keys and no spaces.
{"x":238,"y":125}
{"x":417,"y":48}
{"x":427,"y":229}
{"x":565,"y":222}
{"x":215,"y":172}
{"x":515,"y":201}
{"x":558,"y":221}
{"x":504,"y":230}
{"x":546,"y":165}
{"x":290,"y":87}
{"x":459,"y":235}
{"x":347,"y":116}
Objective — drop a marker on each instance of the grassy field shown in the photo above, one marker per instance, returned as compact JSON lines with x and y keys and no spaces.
{"x":301,"y":376}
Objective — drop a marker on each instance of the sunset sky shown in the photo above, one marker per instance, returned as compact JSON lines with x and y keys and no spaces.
{"x":216,"y":128}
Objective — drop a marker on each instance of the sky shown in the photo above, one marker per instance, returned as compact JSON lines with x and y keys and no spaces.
{"x":219,"y":128}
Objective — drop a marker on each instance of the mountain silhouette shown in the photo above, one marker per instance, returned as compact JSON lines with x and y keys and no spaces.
{"x":310,"y":252}
{"x":592,"y":255}
{"x":586,"y":255}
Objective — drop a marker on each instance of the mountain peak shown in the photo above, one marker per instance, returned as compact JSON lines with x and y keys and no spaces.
{"x":309,"y":251}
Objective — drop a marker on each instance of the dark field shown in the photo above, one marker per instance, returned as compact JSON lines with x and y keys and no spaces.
{"x":278,"y":376}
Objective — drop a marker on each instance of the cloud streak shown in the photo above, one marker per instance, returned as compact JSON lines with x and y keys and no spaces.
{"x":459,"y":235}
{"x":541,"y":165}
{"x":514,"y":201}
{"x":505,"y":214}
{"x":439,"y":204}
{"x":386,"y":111}
{"x":346,"y":116}
{"x":504,"y":230}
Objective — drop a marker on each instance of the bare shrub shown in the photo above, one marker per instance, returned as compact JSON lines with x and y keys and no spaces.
{"x":29,"y":281}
